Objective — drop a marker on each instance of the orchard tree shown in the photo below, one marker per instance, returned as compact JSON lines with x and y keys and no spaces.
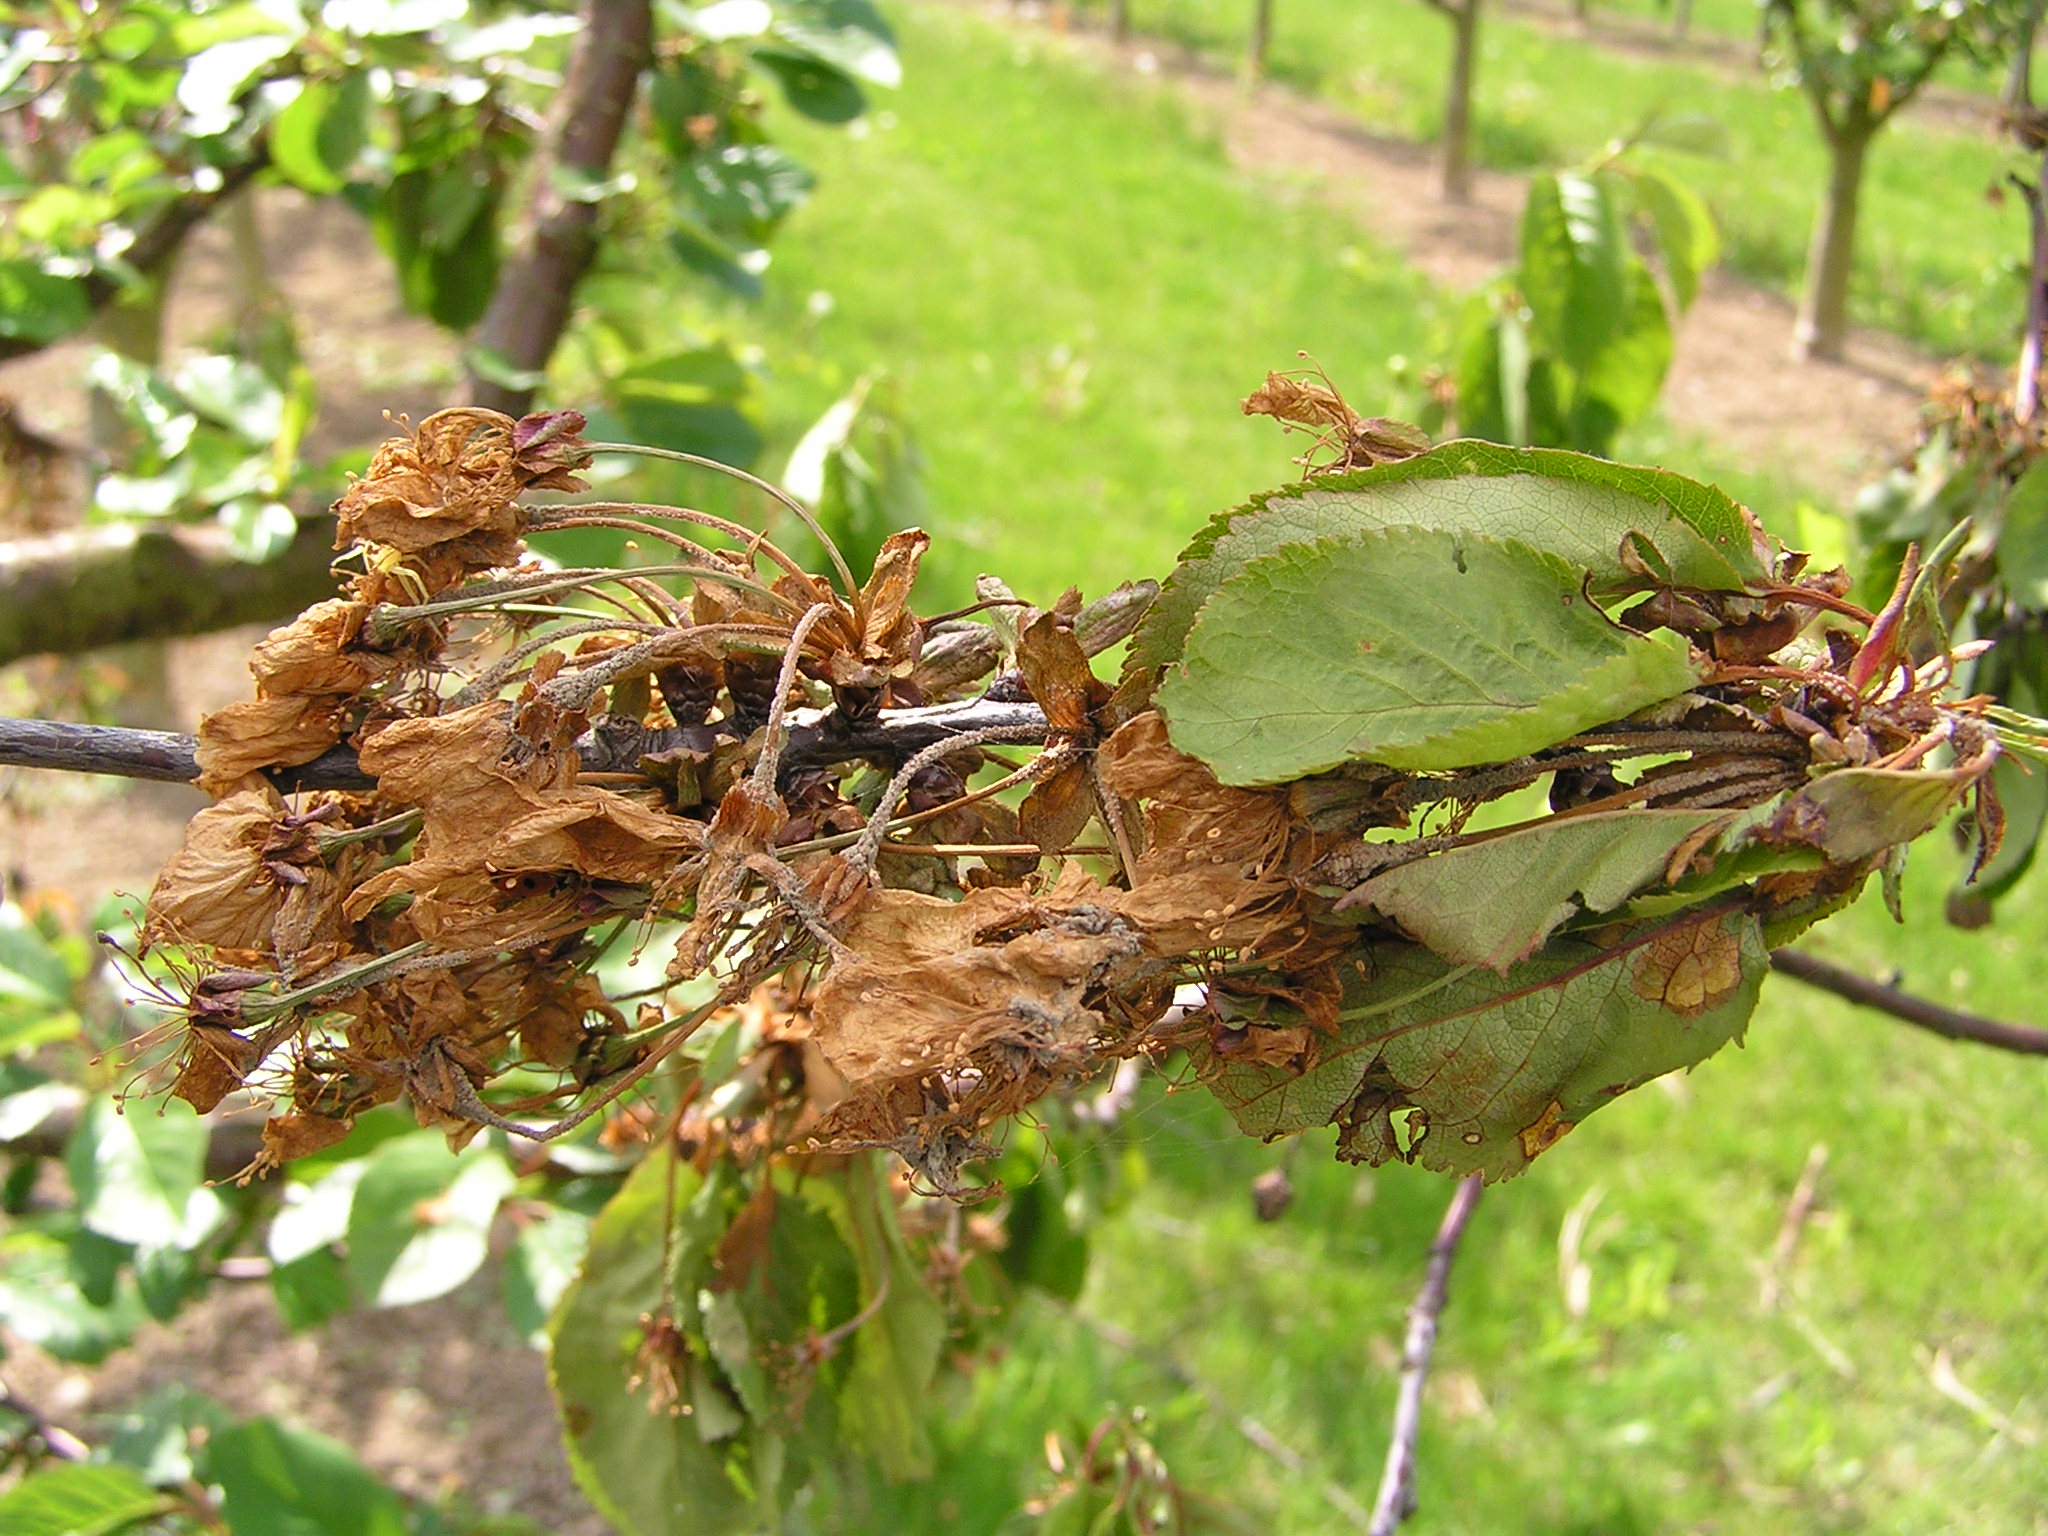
{"x":1858,"y":62}
{"x":1455,"y":176}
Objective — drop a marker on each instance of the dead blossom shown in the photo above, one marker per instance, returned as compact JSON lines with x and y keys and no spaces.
{"x":915,"y":958}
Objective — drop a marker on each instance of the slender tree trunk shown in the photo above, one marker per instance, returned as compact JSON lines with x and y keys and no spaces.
{"x":1822,"y":328}
{"x":1120,"y":20}
{"x":530,"y":308}
{"x":1261,"y":40}
{"x":1681,"y":19}
{"x":1456,"y":182}
{"x":2026,"y":389}
{"x":2019,"y":78}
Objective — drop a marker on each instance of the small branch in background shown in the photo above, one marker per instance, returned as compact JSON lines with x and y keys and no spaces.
{"x":88,"y":587}
{"x":1798,"y":1210}
{"x":1396,"y":1499}
{"x":1255,"y":1434}
{"x":58,"y":1441}
{"x":531,"y":305}
{"x":1949,"y":1022}
{"x":1941,"y":1375}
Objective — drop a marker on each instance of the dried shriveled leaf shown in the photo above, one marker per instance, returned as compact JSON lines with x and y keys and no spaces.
{"x":212,"y":1064}
{"x":1853,"y":813}
{"x":1467,"y":1071}
{"x":494,"y":808}
{"x":317,"y":653}
{"x":1411,"y":647}
{"x":215,"y":890}
{"x":255,"y":734}
{"x":1492,"y":903}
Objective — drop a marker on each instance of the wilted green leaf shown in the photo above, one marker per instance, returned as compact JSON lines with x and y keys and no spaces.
{"x":647,"y":1470}
{"x":1412,"y":647}
{"x":276,"y":1481}
{"x":1852,"y":813}
{"x":1466,"y":1071}
{"x":421,"y":1219}
{"x":1491,"y":903}
{"x":78,"y":1500}
{"x":134,"y":1173}
{"x":1567,"y":504}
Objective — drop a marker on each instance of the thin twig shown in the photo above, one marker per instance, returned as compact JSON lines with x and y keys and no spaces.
{"x":58,"y":1441}
{"x":1798,"y":1210}
{"x":1949,"y":1022}
{"x":1396,"y":1499}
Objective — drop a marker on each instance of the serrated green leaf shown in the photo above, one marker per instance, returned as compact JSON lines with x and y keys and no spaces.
{"x":421,"y":1219}
{"x":277,"y":1481}
{"x":1491,"y":903}
{"x":1569,"y":504}
{"x":1412,"y":647}
{"x":882,"y":1403}
{"x":135,"y":1172}
{"x":1466,"y":1071}
{"x":42,"y":1305}
{"x":645,"y":1469}
{"x":78,"y":1500}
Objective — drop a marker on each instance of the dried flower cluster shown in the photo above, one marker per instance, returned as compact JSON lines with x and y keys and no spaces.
{"x":781,"y":780}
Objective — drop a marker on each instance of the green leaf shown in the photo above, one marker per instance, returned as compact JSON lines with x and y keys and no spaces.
{"x":315,"y":1215}
{"x":78,"y":1500}
{"x":214,"y":80}
{"x":258,"y":529}
{"x":155,"y":1437}
{"x":746,"y":189}
{"x":1416,"y":648}
{"x":1566,"y":503}
{"x":316,"y":139}
{"x":391,"y":18}
{"x":822,"y":92}
{"x":42,"y":1305}
{"x":2023,"y":539}
{"x":648,"y":1471}
{"x":852,"y":35}
{"x":1466,"y":1071}
{"x":1575,"y":266}
{"x":884,"y":1400}
{"x":276,"y":1481}
{"x":1492,"y":903}
{"x":540,"y":1268}
{"x":1624,"y":380}
{"x":311,"y":1289}
{"x":1688,"y":243}
{"x":421,"y":1219}
{"x":38,"y":307}
{"x":134,"y":1174}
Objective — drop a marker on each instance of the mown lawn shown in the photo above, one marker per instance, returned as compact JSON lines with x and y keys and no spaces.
{"x":1938,"y":257}
{"x":1019,"y":217}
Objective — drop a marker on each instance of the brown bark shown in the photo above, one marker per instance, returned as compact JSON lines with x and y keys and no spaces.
{"x":1261,"y":42}
{"x":76,"y":591}
{"x":1456,"y":181}
{"x":1120,"y":20}
{"x":1822,"y":328}
{"x":530,"y":308}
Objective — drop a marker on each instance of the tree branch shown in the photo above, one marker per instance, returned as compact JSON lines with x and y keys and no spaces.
{"x":1396,"y":1499}
{"x":895,"y":734}
{"x":1948,"y":1022}
{"x":530,"y":306}
{"x":74,"y":591}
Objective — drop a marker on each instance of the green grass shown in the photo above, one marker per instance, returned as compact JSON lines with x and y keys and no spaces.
{"x":1018,"y":204}
{"x":1074,"y":288}
{"x":1938,"y":260}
